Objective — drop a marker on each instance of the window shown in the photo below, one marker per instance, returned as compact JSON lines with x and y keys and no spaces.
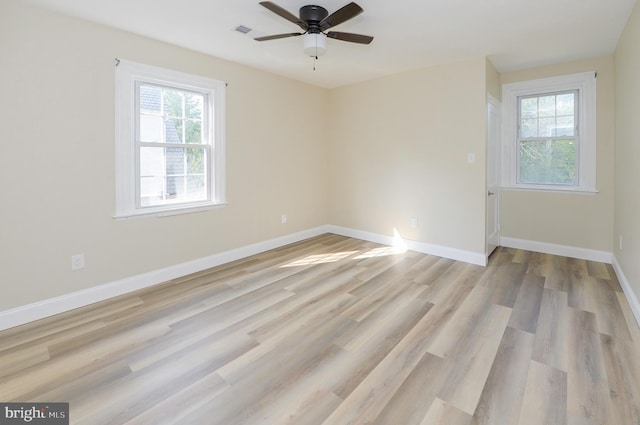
{"x":169,"y":141}
{"x":547,"y":139}
{"x":549,"y":134}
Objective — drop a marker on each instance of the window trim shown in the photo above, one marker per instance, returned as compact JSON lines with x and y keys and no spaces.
{"x":128,"y":75}
{"x":585,"y":84}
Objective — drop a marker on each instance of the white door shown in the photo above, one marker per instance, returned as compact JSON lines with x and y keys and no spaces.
{"x":493,"y":175}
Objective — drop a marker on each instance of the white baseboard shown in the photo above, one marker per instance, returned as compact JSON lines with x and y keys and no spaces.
{"x":425,"y":248}
{"x":563,"y":250}
{"x":41,"y":309}
{"x":632,"y":298}
{"x":50,"y":307}
{"x":583,"y":254}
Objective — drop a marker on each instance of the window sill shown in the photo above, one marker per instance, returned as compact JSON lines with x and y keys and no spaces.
{"x":559,"y":189}
{"x":169,"y":212}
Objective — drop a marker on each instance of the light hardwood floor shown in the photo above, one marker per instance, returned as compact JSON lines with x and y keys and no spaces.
{"x":334,"y":330}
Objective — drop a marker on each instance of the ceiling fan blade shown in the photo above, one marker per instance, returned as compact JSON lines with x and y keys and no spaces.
{"x":277,"y":36}
{"x":339,"y":16}
{"x":347,"y":36}
{"x":285,"y":14}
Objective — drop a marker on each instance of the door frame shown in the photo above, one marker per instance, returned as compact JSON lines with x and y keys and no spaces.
{"x":493,"y":241}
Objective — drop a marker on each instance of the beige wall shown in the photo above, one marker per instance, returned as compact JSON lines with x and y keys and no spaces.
{"x":57,"y":159}
{"x":578,"y":220}
{"x":627,"y":201}
{"x":398,"y":150}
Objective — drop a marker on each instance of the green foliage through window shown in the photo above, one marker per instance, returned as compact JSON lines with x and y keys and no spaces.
{"x":548,"y":162}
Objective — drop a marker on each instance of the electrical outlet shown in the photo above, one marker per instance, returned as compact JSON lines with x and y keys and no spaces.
{"x":77,"y":261}
{"x":413,"y":223}
{"x":471,"y":157}
{"x":283,"y":218}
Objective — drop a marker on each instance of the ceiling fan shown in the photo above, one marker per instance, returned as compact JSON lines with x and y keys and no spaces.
{"x":315,"y":21}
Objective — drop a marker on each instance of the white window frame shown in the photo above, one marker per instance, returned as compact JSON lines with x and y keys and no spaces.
{"x":585,"y":84}
{"x":128,"y":75}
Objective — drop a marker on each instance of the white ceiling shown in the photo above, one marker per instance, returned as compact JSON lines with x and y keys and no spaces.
{"x":409,"y":34}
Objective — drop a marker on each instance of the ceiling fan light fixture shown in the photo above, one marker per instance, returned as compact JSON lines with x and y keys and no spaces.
{"x":314,"y":44}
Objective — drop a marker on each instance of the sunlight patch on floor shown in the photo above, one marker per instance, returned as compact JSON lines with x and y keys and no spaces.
{"x":331,"y":257}
{"x":398,"y":247}
{"x":380,"y":252}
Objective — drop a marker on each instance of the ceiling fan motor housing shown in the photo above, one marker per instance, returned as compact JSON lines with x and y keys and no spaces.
{"x":313,"y":15}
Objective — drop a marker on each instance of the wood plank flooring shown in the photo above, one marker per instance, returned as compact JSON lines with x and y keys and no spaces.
{"x":334,"y":330}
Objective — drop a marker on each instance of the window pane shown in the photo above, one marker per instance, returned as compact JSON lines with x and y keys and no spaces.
{"x":529,"y":128}
{"x":172,"y":175}
{"x":151,"y":162}
{"x":196,"y":158}
{"x":194,"y":117}
{"x":173,"y":130}
{"x":169,"y":115}
{"x":547,"y":127}
{"x":175,"y":160}
{"x":547,"y":106}
{"x":151,"y":128}
{"x":194,"y":106}
{"x":196,"y":188}
{"x":175,"y":187}
{"x":151,"y":176}
{"x":566,"y":126}
{"x":547,"y":162}
{"x":565,"y":104}
{"x":150,"y":114}
{"x":149,"y":99}
{"x":151,"y":190}
{"x":194,"y":131}
{"x":173,"y":103}
{"x":529,"y":107}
